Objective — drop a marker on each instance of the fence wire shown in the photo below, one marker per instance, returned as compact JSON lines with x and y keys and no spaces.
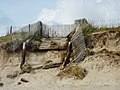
{"x":105,"y":22}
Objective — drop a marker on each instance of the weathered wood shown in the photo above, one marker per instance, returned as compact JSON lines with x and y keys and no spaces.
{"x":24,"y":80}
{"x":23,"y":55}
{"x":68,"y":55}
{"x":78,"y":44}
{"x":10,"y":30}
{"x":63,"y":56}
{"x":1,"y":84}
{"x":48,"y":66}
{"x":51,"y":65}
{"x":29,"y":29}
{"x":40,"y":28}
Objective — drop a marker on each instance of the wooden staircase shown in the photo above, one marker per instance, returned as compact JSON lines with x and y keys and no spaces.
{"x":52,"y":44}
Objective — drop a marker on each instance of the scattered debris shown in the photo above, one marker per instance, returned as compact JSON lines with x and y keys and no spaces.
{"x":13,"y":75}
{"x":18,"y":83}
{"x":24,"y":80}
{"x":26,"y":68}
{"x":51,"y":65}
{"x":49,"y":61}
{"x":36,"y":68}
{"x":53,"y":43}
{"x":1,"y":84}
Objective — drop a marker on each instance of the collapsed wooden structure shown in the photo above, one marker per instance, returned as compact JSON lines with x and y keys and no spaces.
{"x":74,"y":45}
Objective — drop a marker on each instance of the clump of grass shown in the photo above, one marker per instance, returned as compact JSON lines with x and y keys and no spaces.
{"x":26,"y":68}
{"x":73,"y":72}
{"x":88,"y":29}
{"x":108,"y":29}
{"x":89,"y":52}
{"x":6,"y":38}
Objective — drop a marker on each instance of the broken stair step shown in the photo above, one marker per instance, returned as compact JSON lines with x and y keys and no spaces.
{"x":45,"y":43}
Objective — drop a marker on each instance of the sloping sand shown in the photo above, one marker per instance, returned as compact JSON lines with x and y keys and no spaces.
{"x":103,"y":68}
{"x":106,"y":77}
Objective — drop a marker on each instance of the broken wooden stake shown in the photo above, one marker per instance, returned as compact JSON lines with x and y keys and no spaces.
{"x":68,"y":55}
{"x":1,"y":84}
{"x":23,"y":55}
{"x":51,"y":65}
{"x":24,"y":80}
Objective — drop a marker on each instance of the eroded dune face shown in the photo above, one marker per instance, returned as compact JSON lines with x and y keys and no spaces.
{"x":102,"y":66}
{"x":105,"y":49}
{"x":109,"y":40}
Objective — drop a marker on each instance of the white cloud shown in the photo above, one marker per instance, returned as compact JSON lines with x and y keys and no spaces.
{"x":47,"y":15}
{"x":98,"y":1}
{"x":68,"y":10}
{"x":5,"y":21}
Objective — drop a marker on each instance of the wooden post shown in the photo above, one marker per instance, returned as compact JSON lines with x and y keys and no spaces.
{"x":48,"y":32}
{"x":81,"y":22}
{"x":39,"y":28}
{"x":23,"y":55}
{"x":29,"y":29}
{"x":10,"y":29}
{"x":66,"y":60}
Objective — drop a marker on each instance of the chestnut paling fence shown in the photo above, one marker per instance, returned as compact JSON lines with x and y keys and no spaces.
{"x":78,"y":44}
{"x":60,"y":31}
{"x":46,"y":31}
{"x":54,"y":31}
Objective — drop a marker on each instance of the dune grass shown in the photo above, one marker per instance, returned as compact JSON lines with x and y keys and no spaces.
{"x":76,"y":72}
{"x":88,"y":29}
{"x":6,"y":38}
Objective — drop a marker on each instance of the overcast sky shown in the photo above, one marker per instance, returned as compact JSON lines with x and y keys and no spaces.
{"x":21,"y":12}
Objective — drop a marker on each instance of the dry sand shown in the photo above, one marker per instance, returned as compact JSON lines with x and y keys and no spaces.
{"x":103,"y":68}
{"x":98,"y":78}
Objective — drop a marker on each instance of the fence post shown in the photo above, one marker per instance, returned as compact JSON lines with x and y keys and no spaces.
{"x":81,"y":22}
{"x":10,"y":29}
{"x":40,"y":28}
{"x":48,"y":32}
{"x":29,"y":29}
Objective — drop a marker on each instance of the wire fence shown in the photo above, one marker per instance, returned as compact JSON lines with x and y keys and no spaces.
{"x":104,"y":22}
{"x":22,"y":33}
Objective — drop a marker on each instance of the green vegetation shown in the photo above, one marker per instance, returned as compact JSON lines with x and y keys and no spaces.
{"x":88,"y":29}
{"x":6,"y":38}
{"x":73,"y":72}
{"x":26,"y":68}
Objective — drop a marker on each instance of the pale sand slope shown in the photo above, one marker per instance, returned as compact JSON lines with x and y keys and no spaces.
{"x":47,"y":80}
{"x":103,"y":68}
{"x":102,"y":75}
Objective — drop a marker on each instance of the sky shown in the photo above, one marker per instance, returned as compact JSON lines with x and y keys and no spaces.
{"x":23,"y":12}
